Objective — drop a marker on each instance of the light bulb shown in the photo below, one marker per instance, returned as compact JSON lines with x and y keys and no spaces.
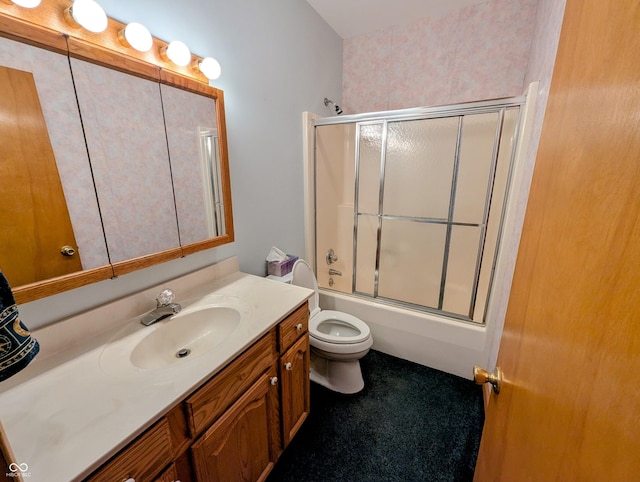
{"x":178,"y":53}
{"x":210,"y":68}
{"x":26,"y":3}
{"x":89,"y":15}
{"x":137,"y":36}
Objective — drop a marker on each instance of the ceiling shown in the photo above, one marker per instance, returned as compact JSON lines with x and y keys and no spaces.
{"x":350,"y":18}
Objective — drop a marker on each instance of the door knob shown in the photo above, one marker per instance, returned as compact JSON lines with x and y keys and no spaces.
{"x":67,"y":251}
{"x":331,"y":257}
{"x":481,"y":376}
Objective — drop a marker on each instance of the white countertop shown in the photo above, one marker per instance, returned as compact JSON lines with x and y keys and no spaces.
{"x":75,"y":410}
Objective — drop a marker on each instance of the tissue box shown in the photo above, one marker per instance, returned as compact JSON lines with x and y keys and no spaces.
{"x":281,"y":268}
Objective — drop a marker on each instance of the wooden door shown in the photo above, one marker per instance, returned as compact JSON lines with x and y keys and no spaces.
{"x":296,"y":399}
{"x":34,"y":220}
{"x":569,"y":408}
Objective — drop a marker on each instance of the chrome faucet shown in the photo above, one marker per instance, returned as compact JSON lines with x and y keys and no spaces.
{"x":164,"y":307}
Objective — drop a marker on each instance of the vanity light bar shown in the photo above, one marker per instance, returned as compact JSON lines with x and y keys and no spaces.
{"x":23,"y":3}
{"x":85,"y":22}
{"x":87,"y":14}
{"x":209,"y":67}
{"x":176,"y":52}
{"x":136,"y":36}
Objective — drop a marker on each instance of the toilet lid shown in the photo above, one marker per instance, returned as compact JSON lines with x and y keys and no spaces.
{"x":303,"y":276}
{"x":338,"y":327}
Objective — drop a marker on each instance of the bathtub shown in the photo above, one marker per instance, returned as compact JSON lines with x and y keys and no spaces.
{"x":446,"y":344}
{"x":424,"y":338}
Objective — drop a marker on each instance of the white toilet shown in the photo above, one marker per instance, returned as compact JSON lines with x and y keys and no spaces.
{"x":338,"y":340}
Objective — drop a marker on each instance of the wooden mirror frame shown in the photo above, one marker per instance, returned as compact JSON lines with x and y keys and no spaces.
{"x":45,"y":27}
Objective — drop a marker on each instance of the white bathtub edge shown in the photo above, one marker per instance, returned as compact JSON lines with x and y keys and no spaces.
{"x":447,"y":345}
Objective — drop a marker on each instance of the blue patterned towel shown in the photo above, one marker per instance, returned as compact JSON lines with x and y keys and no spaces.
{"x":17,"y":346}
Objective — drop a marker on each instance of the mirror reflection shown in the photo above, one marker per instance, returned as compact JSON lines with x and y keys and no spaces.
{"x":192,"y":137}
{"x":125,"y":135}
{"x":109,"y":171}
{"x":32,"y":236}
{"x":212,"y":189}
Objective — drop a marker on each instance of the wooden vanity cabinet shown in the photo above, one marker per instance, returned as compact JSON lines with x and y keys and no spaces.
{"x":208,"y":402}
{"x":295,"y":402}
{"x":235,"y":426}
{"x":294,"y":385}
{"x":169,"y":475}
{"x":142,"y":459}
{"x":244,"y":443}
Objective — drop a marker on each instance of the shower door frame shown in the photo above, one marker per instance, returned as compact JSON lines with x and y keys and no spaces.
{"x":498,"y":106}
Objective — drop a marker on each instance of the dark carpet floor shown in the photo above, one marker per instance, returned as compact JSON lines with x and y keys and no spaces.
{"x":409,"y":423}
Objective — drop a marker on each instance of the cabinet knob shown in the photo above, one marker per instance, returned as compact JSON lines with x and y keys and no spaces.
{"x":288,"y":366}
{"x":274,"y":380}
{"x":299,"y":326}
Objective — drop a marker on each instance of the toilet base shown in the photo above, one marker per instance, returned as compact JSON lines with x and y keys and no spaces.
{"x":338,"y":375}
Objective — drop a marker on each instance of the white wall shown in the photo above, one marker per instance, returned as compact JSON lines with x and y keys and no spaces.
{"x":546,"y":35}
{"x":279,"y":58}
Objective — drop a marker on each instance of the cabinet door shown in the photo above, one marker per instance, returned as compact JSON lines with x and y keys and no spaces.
{"x":169,"y":475}
{"x":295,"y":399}
{"x":240,"y":445}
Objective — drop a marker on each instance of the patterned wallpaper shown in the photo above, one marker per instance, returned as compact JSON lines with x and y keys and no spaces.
{"x":184,"y":113}
{"x":474,"y":53}
{"x":134,"y":171}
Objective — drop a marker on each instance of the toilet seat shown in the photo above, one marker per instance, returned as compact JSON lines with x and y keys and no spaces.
{"x":356,"y":330}
{"x":328,"y":327}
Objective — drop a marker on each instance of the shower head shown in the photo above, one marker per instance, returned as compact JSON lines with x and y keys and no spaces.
{"x":335,"y":106}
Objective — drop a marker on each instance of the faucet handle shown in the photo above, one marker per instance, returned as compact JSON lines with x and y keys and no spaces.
{"x":165,"y":297}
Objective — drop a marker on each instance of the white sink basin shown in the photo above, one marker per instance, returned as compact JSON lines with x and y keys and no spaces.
{"x":195,"y":331}
{"x":187,"y":334}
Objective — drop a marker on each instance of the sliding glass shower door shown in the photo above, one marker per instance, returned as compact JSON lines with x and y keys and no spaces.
{"x":417,"y":220}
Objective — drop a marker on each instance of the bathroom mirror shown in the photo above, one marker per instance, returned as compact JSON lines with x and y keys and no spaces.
{"x":160,"y":192}
{"x":47,"y":196}
{"x":195,"y":150}
{"x":122,"y":117}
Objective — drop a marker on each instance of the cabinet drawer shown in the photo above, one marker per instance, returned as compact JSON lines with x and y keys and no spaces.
{"x":208,"y":403}
{"x":142,"y":459}
{"x":290,"y":329}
